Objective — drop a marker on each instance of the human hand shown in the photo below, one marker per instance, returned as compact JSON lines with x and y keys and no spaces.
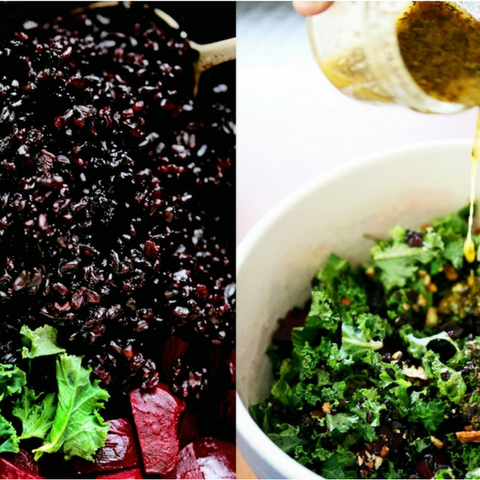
{"x":310,"y":8}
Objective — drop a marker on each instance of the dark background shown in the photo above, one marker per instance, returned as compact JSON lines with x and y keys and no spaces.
{"x":203,"y":21}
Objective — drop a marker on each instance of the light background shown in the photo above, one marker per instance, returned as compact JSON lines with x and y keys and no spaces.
{"x":293,"y":124}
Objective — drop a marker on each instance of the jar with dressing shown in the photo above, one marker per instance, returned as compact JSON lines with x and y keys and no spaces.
{"x":422,"y":55}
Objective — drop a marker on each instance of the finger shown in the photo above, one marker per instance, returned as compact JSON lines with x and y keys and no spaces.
{"x":310,"y":8}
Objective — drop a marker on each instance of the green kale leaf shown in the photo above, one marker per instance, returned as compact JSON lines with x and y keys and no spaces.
{"x":12,"y":379}
{"x":418,"y":346}
{"x":8,"y":437}
{"x":330,"y":273}
{"x":398,"y":262}
{"x":36,"y":413}
{"x":341,"y":422}
{"x":322,"y":314}
{"x":356,"y":342}
{"x":40,"y":342}
{"x":430,"y":413}
{"x":78,"y":429}
{"x":286,"y":437}
{"x":449,"y":382}
{"x":339,"y":465}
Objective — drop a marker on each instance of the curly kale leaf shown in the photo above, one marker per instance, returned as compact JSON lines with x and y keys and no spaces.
{"x":12,"y":380}
{"x":78,"y":429}
{"x":398,"y":262}
{"x":341,"y":464}
{"x":430,"y":413}
{"x":449,"y":382}
{"x":286,"y":437}
{"x":356,"y":342}
{"x":418,"y":347}
{"x":40,"y":342}
{"x":9,"y":440}
{"x":36,"y":412}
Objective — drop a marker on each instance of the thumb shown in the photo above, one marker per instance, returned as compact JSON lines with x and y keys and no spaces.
{"x":310,"y":8}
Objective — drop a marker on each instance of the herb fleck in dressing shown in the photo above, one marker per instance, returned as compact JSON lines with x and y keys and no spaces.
{"x":440,"y":45}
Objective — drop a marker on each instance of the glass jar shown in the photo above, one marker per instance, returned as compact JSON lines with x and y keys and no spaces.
{"x":356,"y":46}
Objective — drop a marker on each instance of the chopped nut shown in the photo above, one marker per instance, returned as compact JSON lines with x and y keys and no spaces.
{"x":406,"y":306}
{"x":432,"y":287}
{"x":438,"y":443}
{"x":426,"y":280}
{"x":422,"y":300}
{"x":460,"y":287}
{"x":414,"y":372}
{"x":370,"y":272}
{"x":467,"y":437}
{"x":368,"y":454}
{"x":432,"y":318}
{"x":384,"y":451}
{"x":359,"y":460}
{"x":326,"y":408}
{"x":396,"y":430}
{"x":422,"y":273}
{"x":378,"y":462}
{"x":450,"y":273}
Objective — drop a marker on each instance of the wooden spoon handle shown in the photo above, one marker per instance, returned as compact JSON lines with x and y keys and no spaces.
{"x":215,"y":53}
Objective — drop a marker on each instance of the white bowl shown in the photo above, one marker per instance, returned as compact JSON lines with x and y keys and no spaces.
{"x":332,"y":213}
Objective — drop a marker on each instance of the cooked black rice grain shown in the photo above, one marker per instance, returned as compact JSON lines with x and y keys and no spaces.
{"x":116,"y":196}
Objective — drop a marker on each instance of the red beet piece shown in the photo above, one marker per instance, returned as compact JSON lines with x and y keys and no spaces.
{"x":156,"y":415}
{"x":129,"y":473}
{"x":8,"y":469}
{"x":205,"y":458}
{"x":24,"y":460}
{"x":120,"y":450}
{"x":189,"y":428}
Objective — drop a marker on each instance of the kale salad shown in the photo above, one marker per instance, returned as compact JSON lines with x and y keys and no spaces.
{"x":379,"y":375}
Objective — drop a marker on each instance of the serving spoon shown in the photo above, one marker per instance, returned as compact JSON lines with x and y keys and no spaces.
{"x":209,"y":54}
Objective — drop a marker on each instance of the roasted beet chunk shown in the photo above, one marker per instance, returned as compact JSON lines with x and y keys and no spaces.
{"x":20,"y":465}
{"x":120,"y":450}
{"x":129,"y":473}
{"x":23,"y":460}
{"x":157,"y":414}
{"x":205,"y":458}
{"x":189,"y":428}
{"x":431,"y":464}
